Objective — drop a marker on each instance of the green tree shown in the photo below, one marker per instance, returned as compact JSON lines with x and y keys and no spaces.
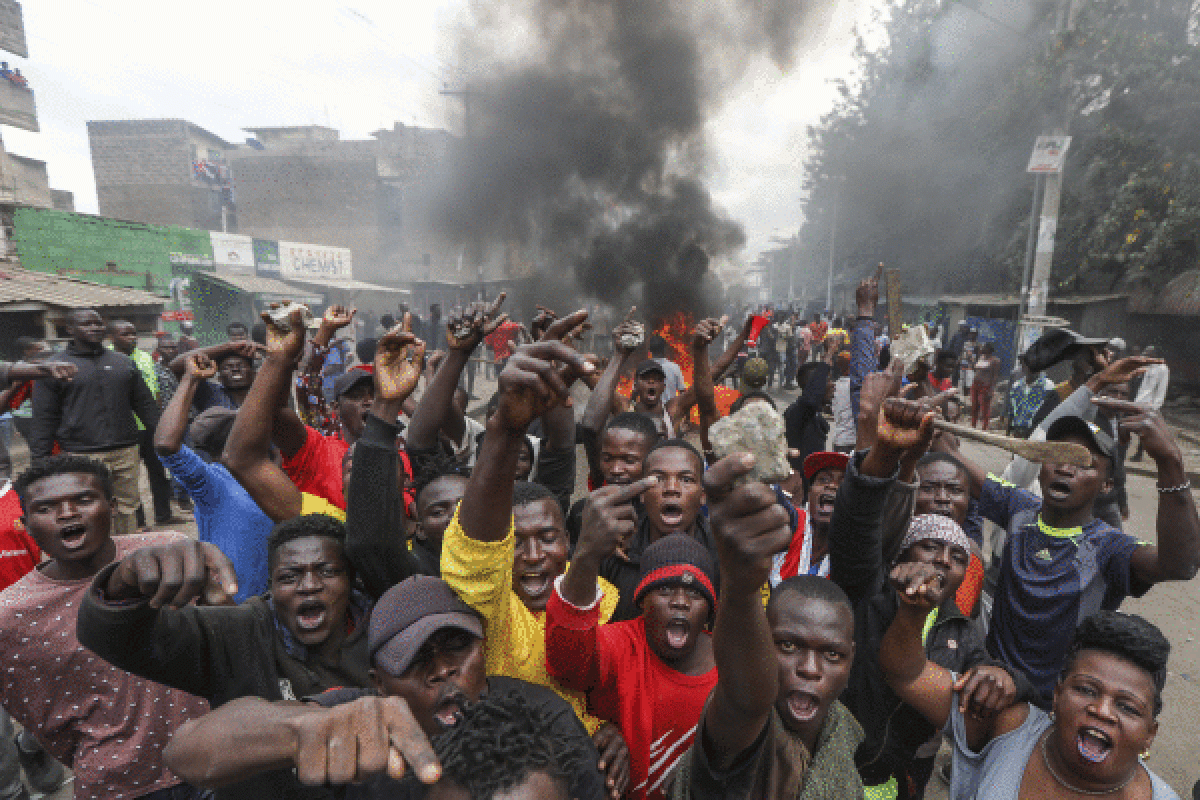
{"x":924,"y":155}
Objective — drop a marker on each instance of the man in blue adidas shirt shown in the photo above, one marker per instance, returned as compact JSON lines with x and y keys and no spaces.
{"x":1061,"y":564}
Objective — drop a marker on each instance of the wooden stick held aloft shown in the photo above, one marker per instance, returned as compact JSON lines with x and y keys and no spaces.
{"x":1054,"y":452}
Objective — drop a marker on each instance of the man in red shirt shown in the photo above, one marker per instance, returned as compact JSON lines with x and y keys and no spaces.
{"x":650,"y":675}
{"x":501,"y":341}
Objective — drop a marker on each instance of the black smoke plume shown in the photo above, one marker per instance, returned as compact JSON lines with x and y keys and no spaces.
{"x":585,"y":146}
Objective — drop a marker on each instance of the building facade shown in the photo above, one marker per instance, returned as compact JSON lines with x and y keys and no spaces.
{"x":305,"y":183}
{"x":23,"y":181}
{"x":162,"y":172}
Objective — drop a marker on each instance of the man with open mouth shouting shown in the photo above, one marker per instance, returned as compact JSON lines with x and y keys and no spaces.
{"x":428,"y":677}
{"x":808,"y":552}
{"x":109,"y":726}
{"x":651,"y":675}
{"x":507,"y":542}
{"x":1105,"y":708}
{"x":672,"y":504}
{"x":308,"y":633}
{"x":1060,"y":563}
{"x":773,"y":726}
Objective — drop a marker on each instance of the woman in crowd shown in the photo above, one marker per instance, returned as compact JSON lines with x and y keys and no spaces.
{"x":1105,"y":711}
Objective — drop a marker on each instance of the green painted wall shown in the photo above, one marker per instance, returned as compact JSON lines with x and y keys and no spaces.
{"x":80,"y":245}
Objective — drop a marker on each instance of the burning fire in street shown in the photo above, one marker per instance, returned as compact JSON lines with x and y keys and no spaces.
{"x":676,"y":331}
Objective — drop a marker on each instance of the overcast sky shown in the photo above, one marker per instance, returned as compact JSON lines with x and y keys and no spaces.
{"x":229,"y":64}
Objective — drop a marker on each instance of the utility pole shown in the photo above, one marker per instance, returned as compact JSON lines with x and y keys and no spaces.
{"x":837,"y":196}
{"x":1039,"y":284}
{"x":465,"y":94}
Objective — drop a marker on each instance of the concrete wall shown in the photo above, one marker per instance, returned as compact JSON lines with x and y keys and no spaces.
{"x":323,"y":193}
{"x":143,"y":171}
{"x":28,"y":177}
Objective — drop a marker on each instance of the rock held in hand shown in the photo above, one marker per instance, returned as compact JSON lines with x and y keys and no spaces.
{"x":757,"y":429}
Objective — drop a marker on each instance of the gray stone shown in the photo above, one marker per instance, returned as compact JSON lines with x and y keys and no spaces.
{"x":635,"y":338}
{"x":757,"y":429}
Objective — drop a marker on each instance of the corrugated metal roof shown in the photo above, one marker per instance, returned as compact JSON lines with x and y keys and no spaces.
{"x":258,"y":284}
{"x":1181,"y":296}
{"x":348,"y":285}
{"x":26,"y":286}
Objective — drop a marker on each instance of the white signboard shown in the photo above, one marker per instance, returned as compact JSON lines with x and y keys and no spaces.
{"x":298,"y":260}
{"x":1049,"y":153}
{"x":232,"y":254}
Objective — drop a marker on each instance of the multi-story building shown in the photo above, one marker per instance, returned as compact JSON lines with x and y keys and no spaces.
{"x":23,"y":181}
{"x":164,"y":172}
{"x":299,"y":183}
{"x":374,"y":196}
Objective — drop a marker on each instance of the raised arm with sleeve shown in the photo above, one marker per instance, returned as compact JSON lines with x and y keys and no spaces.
{"x":173,"y":424}
{"x":856,"y":529}
{"x":600,"y":402}
{"x":247,"y":453}
{"x":529,"y":386}
{"x":375,"y":541}
{"x":1022,"y":472}
{"x":556,"y":456}
{"x":749,"y":528}
{"x":465,"y":330}
{"x":930,"y":689}
{"x":862,"y":336}
{"x":575,"y":656}
{"x":139,"y":617}
{"x":179,"y":363}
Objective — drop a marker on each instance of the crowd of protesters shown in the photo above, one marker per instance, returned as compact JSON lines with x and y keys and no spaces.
{"x":389,"y":598}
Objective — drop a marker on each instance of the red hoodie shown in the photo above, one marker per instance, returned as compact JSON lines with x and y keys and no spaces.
{"x":656,"y":707}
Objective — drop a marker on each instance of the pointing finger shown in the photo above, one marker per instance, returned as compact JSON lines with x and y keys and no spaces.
{"x":626,"y":493}
{"x":564,"y":325}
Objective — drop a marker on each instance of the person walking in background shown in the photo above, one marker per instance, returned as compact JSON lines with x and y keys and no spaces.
{"x":93,"y":413}
{"x":768,"y":348}
{"x":955,"y":346}
{"x":1152,"y":391}
{"x":987,"y":374}
{"x":789,"y":333}
{"x":124,"y":339}
{"x":966,"y":359}
{"x":816,"y":334}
